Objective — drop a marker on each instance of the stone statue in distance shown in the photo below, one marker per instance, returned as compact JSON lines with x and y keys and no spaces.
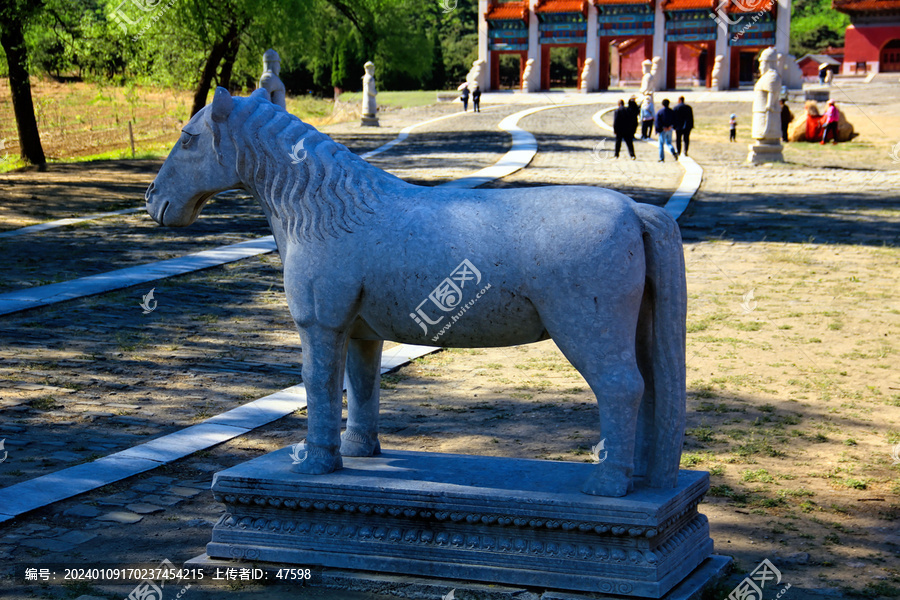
{"x":270,"y":80}
{"x":717,"y":73}
{"x":766,"y":126}
{"x":528,"y":76}
{"x":586,"y":76}
{"x":646,"y":78}
{"x":369,"y":105}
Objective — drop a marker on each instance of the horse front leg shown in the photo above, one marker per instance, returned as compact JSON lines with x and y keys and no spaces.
{"x":324,"y":353}
{"x":363,"y":389}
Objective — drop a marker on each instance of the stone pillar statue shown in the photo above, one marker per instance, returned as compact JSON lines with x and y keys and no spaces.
{"x":654,"y":72}
{"x":369,"y":106}
{"x":647,"y":78}
{"x":766,"y":127}
{"x":269,"y":80}
{"x":586,"y":75}
{"x":717,"y":73}
{"x":476,"y":75}
{"x":528,"y":75}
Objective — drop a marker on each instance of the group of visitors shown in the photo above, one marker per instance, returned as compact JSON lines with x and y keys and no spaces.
{"x":668,"y":121}
{"x":476,"y":96}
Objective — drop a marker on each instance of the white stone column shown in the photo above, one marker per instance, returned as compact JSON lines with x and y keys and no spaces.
{"x":783,"y":27}
{"x":724,"y":50}
{"x":592,"y":49}
{"x":660,"y":48}
{"x":534,"y":47}
{"x":483,"y":52}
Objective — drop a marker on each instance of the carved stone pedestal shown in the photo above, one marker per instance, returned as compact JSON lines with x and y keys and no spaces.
{"x":369,"y":121}
{"x":765,"y":151}
{"x":472,"y":518}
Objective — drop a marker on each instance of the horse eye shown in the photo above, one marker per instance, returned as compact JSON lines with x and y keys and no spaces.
{"x":186,"y":139}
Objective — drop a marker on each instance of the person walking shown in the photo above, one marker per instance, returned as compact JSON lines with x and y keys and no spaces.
{"x":464,"y":96}
{"x":832,"y":118}
{"x":476,"y":98}
{"x":647,"y":114}
{"x":635,"y":111}
{"x":732,"y":128}
{"x":786,"y":117}
{"x":684,"y":123}
{"x":665,"y":124}
{"x":624,"y":126}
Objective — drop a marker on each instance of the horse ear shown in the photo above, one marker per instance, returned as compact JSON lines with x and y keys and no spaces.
{"x":261,"y":93}
{"x":221,"y":105}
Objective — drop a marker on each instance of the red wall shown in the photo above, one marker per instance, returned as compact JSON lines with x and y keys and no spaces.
{"x":864,"y":43}
{"x":630,"y":68}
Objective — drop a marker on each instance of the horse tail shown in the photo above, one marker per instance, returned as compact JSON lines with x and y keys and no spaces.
{"x":661,"y":348}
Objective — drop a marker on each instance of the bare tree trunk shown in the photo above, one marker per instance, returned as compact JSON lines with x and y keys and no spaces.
{"x":228,"y":63}
{"x":13,"y":43}
{"x":212,"y":65}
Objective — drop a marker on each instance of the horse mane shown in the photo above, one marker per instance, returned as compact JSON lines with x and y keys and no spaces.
{"x":327,"y":192}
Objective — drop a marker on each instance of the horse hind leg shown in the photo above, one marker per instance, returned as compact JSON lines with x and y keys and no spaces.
{"x":363,"y":389}
{"x":604,"y":354}
{"x":618,"y":386}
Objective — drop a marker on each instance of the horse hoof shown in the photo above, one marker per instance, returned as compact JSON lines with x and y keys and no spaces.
{"x":355,"y":444}
{"x":318,"y":465}
{"x":610,"y":485}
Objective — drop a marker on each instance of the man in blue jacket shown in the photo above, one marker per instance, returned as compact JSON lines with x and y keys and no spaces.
{"x":665,"y":124}
{"x":684,"y":122}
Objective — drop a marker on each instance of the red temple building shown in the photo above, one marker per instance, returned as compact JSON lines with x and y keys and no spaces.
{"x":872,"y":43}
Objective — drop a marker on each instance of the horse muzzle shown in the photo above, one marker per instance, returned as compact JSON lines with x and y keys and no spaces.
{"x":155,"y":208}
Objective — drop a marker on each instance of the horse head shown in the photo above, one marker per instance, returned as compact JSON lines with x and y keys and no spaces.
{"x":201,"y":165}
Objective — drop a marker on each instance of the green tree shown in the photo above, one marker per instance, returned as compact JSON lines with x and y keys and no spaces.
{"x":14,"y":17}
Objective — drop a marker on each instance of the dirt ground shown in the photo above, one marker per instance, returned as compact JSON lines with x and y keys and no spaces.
{"x":793,"y":388}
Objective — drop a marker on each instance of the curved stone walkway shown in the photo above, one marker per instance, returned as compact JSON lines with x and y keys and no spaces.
{"x":690,"y":183}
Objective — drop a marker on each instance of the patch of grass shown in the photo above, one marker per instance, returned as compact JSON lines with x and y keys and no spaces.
{"x":799,"y":493}
{"x":390,"y":381}
{"x":46,"y":403}
{"x":855,"y":484}
{"x":757,"y":475}
{"x":691,"y":459}
{"x":758,"y":446}
{"x":749,"y":325}
{"x":880,"y":589}
{"x":711,"y":407}
{"x":703,"y":434}
{"x":726,"y":491}
{"x":717,"y":470}
{"x":456,"y":409}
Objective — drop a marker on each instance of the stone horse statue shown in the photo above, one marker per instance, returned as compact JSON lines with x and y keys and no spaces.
{"x":368,"y":257}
